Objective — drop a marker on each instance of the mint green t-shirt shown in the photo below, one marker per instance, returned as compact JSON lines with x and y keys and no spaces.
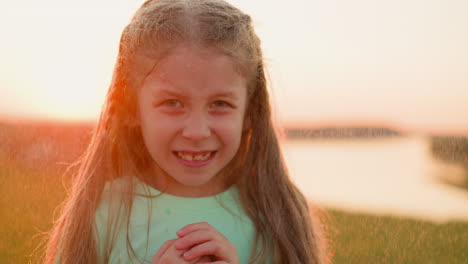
{"x":154,"y":220}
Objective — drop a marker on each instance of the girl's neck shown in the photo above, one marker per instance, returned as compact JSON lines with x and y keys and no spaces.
{"x":158,"y":180}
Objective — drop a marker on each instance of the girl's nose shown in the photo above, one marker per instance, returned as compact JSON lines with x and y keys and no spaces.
{"x":196,"y":127}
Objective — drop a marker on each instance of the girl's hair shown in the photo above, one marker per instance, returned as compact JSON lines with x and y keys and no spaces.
{"x":278,"y":210}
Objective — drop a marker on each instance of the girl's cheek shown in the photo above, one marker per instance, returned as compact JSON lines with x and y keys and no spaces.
{"x":227,"y":129}
{"x":233,"y":119}
{"x":166,"y":122}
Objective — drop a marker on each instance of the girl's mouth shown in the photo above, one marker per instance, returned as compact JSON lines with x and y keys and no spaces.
{"x":195,"y":158}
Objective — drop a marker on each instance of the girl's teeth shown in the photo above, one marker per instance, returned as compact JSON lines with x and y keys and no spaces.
{"x":190,"y":157}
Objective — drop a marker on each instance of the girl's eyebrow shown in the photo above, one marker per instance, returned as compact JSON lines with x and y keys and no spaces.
{"x":160,"y":92}
{"x":225,"y":95}
{"x":168,"y":92}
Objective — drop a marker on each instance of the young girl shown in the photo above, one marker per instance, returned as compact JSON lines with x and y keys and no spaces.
{"x":185,"y":165}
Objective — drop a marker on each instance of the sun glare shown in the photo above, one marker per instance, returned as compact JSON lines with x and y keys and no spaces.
{"x":355,"y":61}
{"x":72,"y":101}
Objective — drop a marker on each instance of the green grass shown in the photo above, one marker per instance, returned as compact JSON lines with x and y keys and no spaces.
{"x":28,"y":199}
{"x":360,"y":238}
{"x":31,"y":188}
{"x":30,"y":196}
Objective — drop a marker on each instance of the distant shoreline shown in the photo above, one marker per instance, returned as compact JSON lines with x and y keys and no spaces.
{"x":344,"y":132}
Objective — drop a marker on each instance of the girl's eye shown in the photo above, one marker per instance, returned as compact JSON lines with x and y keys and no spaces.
{"x":172,"y":103}
{"x":220,"y":104}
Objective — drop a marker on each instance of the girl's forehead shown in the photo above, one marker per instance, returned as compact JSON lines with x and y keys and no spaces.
{"x":188,"y":57}
{"x":195,"y":69}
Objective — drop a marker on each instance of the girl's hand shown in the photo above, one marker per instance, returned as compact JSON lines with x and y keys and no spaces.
{"x":168,"y":254}
{"x":200,"y":240}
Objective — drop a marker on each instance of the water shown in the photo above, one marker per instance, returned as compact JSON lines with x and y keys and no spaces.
{"x":396,"y":176}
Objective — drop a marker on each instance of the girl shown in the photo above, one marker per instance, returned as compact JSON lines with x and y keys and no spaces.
{"x":184,"y":165}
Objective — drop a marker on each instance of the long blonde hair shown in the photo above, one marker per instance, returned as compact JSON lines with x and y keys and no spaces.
{"x":278,"y":210}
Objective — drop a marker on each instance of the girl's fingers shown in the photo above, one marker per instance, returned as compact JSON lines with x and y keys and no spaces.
{"x":169,"y":254}
{"x":201,"y":239}
{"x":205,"y":249}
{"x":221,"y":251}
{"x":192,"y":227}
{"x":204,"y":259}
{"x":216,"y":262}
{"x":194,"y":238}
{"x":162,"y":250}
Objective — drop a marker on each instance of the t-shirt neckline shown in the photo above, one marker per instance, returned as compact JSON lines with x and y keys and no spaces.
{"x":145,"y":188}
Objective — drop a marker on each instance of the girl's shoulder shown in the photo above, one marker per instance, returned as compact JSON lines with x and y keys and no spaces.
{"x":117,"y":189}
{"x":109,"y":215}
{"x":117,"y":185}
{"x":112,"y":194}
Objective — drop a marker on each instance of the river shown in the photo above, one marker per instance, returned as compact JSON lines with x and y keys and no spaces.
{"x":385,"y":176}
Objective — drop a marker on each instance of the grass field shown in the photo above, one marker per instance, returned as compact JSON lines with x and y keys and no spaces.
{"x":361,"y":238}
{"x":31,"y":187}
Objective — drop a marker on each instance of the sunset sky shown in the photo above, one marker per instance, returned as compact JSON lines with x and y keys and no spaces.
{"x":401,"y":62}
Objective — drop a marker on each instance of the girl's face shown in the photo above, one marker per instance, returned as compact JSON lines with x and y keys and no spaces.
{"x":191,"y":113}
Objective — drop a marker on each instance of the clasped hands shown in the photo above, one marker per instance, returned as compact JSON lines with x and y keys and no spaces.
{"x":197,"y":243}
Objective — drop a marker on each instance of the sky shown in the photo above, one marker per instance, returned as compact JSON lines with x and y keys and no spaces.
{"x":401,"y":62}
